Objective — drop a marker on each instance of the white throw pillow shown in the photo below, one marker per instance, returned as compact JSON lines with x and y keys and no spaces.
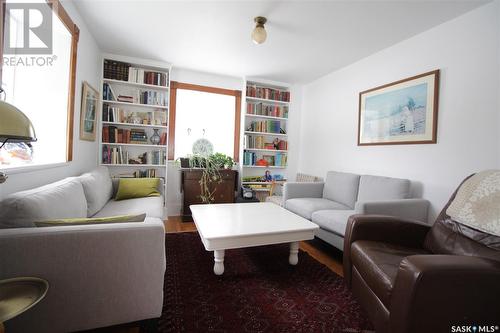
{"x":98,"y":189}
{"x":59,"y":200}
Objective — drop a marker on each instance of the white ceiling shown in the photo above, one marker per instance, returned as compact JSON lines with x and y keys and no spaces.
{"x":306,"y":39}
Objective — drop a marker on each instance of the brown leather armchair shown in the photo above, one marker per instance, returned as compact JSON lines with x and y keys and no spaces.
{"x":411,"y":277}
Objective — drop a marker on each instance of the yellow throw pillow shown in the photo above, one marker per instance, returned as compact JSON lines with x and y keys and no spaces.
{"x":129,"y":188}
{"x":92,"y":220}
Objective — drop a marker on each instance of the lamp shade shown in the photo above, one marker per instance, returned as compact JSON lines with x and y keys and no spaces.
{"x":14,"y":125}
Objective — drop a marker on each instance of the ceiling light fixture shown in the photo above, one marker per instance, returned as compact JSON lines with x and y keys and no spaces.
{"x":259,"y":34}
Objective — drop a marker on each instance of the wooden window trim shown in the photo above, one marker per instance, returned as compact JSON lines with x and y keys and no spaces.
{"x":73,"y":29}
{"x":174,"y":85}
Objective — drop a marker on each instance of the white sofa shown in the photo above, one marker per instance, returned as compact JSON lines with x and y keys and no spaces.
{"x":329,"y":204}
{"x":99,"y":275}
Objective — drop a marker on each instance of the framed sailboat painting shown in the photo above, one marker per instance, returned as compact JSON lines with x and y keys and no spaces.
{"x":401,"y":112}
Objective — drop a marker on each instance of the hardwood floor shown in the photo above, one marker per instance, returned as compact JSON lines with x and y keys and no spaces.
{"x":319,"y":250}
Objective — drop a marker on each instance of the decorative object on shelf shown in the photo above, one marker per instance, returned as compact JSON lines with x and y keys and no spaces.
{"x":135,"y":119}
{"x":15,"y":127}
{"x":262,"y":162}
{"x":267,"y":176}
{"x":203,"y":147}
{"x":259,"y":34}
{"x":155,"y":138}
{"x":88,"y":112}
{"x":401,"y":112}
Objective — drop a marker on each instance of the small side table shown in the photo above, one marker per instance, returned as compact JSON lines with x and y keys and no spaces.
{"x":18,"y":295}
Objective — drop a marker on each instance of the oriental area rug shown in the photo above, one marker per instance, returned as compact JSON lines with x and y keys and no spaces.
{"x":258,"y":292}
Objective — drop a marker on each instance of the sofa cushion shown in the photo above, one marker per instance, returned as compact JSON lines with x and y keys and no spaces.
{"x":341,"y":187}
{"x":306,"y":206}
{"x":98,"y":189}
{"x":378,"y":264}
{"x":376,"y":188}
{"x":132,"y":188}
{"x":332,"y":220}
{"x":59,"y":200}
{"x":151,"y":206}
{"x":92,"y":220}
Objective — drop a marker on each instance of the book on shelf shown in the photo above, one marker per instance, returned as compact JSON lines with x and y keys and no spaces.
{"x":140,"y":75}
{"x":122,"y":71}
{"x":261,"y":142}
{"x":141,"y":96}
{"x":265,"y":126}
{"x":113,"y":134}
{"x":261,"y":109}
{"x":107,"y":93}
{"x":116,"y":70}
{"x":119,"y":155}
{"x":148,"y":173}
{"x":253,"y":90}
{"x":163,"y":139}
{"x":114,"y":155}
{"x":251,"y":158}
{"x":119,"y":115}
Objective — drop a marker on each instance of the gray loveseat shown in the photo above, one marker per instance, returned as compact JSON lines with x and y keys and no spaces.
{"x":99,"y":275}
{"x":329,"y":204}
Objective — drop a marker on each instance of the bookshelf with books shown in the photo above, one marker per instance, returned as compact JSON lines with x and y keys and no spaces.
{"x":265,"y":131}
{"x":133,"y":127}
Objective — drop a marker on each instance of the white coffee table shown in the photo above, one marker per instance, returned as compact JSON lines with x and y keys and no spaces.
{"x":230,"y":226}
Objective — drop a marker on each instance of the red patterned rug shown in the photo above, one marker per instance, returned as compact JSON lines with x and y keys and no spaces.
{"x":258,"y":292}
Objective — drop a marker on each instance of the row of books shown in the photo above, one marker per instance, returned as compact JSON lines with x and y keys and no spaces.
{"x":116,"y":70}
{"x":148,"y":173}
{"x":119,"y":115}
{"x":268,"y":93}
{"x":114,"y":155}
{"x":139,"y":75}
{"x":266,"y":126}
{"x":119,"y":155}
{"x":251,"y":158}
{"x":267,"y":110}
{"x":261,"y":142}
{"x":148,"y":97}
{"x":113,"y":134}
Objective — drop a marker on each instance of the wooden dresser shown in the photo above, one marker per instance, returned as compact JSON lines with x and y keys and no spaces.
{"x":190,"y":184}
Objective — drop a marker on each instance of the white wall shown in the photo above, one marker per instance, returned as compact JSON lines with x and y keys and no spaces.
{"x":467,"y":51}
{"x":174,"y":196}
{"x":84,"y":152}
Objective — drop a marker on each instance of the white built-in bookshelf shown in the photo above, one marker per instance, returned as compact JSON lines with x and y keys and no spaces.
{"x":134,"y":108}
{"x":265,"y":132}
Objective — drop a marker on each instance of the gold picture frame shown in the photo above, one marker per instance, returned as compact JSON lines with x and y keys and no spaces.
{"x":401,"y":112}
{"x":89,"y":112}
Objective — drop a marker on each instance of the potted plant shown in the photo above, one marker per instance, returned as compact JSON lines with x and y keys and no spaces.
{"x":211,"y":166}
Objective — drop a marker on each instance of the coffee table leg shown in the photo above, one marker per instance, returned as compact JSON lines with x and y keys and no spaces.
{"x":293,"y":259}
{"x":219,"y":262}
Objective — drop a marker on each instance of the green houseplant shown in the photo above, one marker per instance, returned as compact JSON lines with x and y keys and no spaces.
{"x":211,"y":166}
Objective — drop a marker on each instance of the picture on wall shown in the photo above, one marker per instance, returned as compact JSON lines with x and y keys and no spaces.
{"x":402,"y":112}
{"x":88,"y":113}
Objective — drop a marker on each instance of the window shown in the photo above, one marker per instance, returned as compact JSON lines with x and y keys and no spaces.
{"x":40,"y":84}
{"x":199,"y":112}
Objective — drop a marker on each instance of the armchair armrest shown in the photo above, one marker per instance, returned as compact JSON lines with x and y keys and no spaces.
{"x":94,"y":271}
{"x":432,"y":293}
{"x":381,"y":228}
{"x":413,"y":209}
{"x":302,"y":190}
